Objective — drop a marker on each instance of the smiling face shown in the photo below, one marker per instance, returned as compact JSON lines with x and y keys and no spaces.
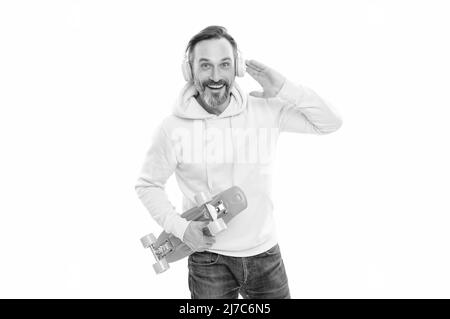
{"x":213,"y":73}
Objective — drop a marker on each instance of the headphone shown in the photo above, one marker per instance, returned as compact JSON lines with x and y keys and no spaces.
{"x":187,"y":71}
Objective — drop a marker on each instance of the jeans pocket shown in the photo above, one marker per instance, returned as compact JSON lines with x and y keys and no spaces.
{"x":203,"y":258}
{"x":275,"y":250}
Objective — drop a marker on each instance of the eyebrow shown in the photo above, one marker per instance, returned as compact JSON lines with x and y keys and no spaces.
{"x":207,"y":60}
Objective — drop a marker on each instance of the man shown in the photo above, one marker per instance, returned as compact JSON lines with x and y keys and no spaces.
{"x":217,"y":137}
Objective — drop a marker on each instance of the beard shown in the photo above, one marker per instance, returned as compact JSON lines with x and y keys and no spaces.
{"x":213,"y":98}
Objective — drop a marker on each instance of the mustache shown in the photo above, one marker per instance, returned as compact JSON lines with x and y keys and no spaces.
{"x":206,"y":83}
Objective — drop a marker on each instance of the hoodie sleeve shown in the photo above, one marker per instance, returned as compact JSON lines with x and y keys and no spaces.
{"x":160,"y":162}
{"x":301,"y":110}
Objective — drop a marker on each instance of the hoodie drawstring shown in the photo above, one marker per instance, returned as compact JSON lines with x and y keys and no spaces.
{"x":205,"y":157}
{"x":205,"y":152}
{"x":232,"y":149}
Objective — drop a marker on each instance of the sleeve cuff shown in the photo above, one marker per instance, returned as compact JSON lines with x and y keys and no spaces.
{"x":179,"y":227}
{"x":291,"y":92}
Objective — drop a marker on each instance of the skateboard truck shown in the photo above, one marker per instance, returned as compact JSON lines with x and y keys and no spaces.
{"x":220,"y":208}
{"x":161,"y":264}
{"x":217,"y":224}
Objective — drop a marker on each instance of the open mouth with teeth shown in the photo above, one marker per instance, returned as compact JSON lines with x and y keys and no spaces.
{"x":215,"y":87}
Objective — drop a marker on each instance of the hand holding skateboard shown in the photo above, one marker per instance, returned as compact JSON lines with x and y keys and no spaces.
{"x":215,"y":214}
{"x":195,"y":236}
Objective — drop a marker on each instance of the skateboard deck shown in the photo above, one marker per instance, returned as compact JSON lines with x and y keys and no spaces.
{"x":222,"y":208}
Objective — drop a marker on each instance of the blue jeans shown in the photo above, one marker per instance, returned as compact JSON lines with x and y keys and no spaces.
{"x":224,"y":277}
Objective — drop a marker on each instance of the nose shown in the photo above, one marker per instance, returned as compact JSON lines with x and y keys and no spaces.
{"x":215,"y":74}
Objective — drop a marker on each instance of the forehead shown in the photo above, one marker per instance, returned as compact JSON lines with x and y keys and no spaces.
{"x":213,"y":49}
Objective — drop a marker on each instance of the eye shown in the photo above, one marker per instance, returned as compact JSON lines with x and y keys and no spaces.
{"x":226,"y":64}
{"x":204,"y":66}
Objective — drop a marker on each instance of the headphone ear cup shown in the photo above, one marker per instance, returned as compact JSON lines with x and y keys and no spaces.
{"x":186,"y":69}
{"x":240,"y":66}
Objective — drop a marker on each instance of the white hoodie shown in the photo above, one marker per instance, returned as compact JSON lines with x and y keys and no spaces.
{"x":210,"y":153}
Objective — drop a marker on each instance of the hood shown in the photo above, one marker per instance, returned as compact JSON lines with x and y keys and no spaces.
{"x":186,"y":106}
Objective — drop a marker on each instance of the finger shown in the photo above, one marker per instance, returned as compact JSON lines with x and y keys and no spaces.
{"x":209,"y":240}
{"x":252,"y":72}
{"x":198,"y":224}
{"x":186,"y":249}
{"x":202,"y":225}
{"x":208,"y":244}
{"x":190,"y":246}
{"x":252,"y":63}
{"x":203,"y":248}
{"x":256,"y":65}
{"x":207,"y":232}
{"x":257,"y":94}
{"x":253,"y":68}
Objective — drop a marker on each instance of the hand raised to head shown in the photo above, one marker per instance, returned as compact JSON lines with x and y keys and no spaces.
{"x":270,"y":80}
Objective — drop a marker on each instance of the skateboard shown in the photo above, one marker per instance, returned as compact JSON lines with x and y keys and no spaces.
{"x":218,"y":210}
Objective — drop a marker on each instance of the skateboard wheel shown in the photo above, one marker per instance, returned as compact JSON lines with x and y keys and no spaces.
{"x":161,"y":266}
{"x":201,"y":199}
{"x":217,"y":226}
{"x":148,"y":240}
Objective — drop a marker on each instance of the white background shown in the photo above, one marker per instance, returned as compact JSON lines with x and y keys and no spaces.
{"x":361,"y":213}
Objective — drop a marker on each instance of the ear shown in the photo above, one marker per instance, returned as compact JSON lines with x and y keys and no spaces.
{"x":257,"y":94}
